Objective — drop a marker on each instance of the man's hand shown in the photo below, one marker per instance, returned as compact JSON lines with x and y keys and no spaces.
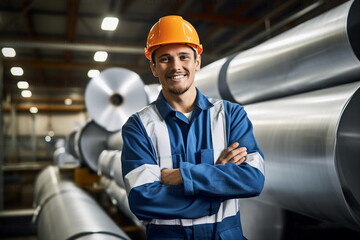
{"x":233,"y":154}
{"x":171,"y":176}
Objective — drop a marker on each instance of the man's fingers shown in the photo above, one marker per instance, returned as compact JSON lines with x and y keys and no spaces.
{"x":240,"y":156}
{"x":233,"y":154}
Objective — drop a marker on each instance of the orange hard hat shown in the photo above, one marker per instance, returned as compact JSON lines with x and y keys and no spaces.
{"x":172,"y":29}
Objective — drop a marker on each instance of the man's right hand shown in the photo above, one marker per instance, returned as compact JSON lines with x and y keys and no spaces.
{"x":234,"y":154}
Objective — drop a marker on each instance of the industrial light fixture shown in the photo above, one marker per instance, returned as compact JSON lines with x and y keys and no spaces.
{"x":17,"y":71}
{"x":68,"y":101}
{"x":100,"y":56}
{"x":8,"y":52}
{"x":26,"y":93}
{"x":23,"y":85}
{"x":109,"y":23}
{"x":93,"y":73}
{"x":33,"y":110}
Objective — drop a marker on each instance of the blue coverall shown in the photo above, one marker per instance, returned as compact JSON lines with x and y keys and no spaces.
{"x":206,"y":205}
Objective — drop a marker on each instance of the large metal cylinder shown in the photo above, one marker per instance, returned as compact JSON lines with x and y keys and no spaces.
{"x":64,"y":211}
{"x":113,"y":96}
{"x":319,"y":53}
{"x":311,"y":143}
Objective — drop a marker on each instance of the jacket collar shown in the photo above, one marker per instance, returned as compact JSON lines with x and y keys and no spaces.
{"x":164,"y":108}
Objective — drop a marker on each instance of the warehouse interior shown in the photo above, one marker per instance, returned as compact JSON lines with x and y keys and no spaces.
{"x":294,"y":65}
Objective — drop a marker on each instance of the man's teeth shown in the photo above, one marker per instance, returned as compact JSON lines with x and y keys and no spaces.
{"x":178,"y":76}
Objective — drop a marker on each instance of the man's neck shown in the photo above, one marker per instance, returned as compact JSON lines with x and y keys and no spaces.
{"x":182,"y":102}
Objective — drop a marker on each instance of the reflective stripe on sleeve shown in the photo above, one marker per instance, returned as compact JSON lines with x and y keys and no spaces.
{"x":256,"y":161}
{"x":144,"y":174}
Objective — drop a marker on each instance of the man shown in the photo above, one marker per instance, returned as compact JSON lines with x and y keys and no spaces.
{"x":182,"y":162}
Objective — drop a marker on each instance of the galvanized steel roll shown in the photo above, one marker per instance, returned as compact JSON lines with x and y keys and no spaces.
{"x":120,"y":199}
{"x":64,"y":211}
{"x":113,"y":96}
{"x":106,"y":163}
{"x":311,"y":143}
{"x":118,"y":177}
{"x":73,"y":214}
{"x":319,"y":53}
{"x":92,"y":141}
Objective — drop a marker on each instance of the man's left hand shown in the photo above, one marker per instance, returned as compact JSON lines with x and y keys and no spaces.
{"x":171,"y":176}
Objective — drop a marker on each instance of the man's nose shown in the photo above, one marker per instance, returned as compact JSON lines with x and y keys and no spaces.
{"x":176,"y":64}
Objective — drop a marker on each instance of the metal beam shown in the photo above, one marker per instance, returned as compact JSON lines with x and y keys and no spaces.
{"x":72,"y":46}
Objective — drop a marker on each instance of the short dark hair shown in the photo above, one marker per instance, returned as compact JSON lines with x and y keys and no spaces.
{"x":153,"y":53}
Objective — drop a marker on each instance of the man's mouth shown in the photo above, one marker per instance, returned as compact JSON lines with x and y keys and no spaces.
{"x":177,"y":77}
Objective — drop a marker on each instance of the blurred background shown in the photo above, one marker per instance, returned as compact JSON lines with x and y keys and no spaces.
{"x":73,"y":71}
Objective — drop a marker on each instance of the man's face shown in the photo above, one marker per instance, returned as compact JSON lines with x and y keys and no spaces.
{"x":175,"y":66}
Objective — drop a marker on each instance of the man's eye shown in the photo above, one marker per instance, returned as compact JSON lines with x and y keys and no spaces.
{"x":164,"y":59}
{"x":184,"y":57}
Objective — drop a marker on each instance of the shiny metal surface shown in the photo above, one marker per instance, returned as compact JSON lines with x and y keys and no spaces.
{"x":262,"y":221}
{"x":106,"y":163}
{"x":118,"y":177}
{"x":119,"y":198}
{"x":99,"y":236}
{"x":319,"y":53}
{"x":113,"y":96}
{"x":92,"y":141}
{"x":115,"y":141}
{"x":74,"y":214}
{"x":152,"y":91}
{"x":207,"y":79}
{"x":313,"y":55}
{"x":311,"y":146}
{"x":64,"y":211}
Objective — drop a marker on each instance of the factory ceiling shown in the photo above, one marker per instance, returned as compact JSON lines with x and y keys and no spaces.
{"x":55,"y":40}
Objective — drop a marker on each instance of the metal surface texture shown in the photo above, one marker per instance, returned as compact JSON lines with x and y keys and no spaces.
{"x":73,"y":214}
{"x":115,"y":141}
{"x":319,"y":53}
{"x":119,"y":198}
{"x":113,"y":96}
{"x":106,"y":163}
{"x":152,"y":91}
{"x":118,"y":177}
{"x":64,"y":211}
{"x":207,"y":78}
{"x":92,"y":141}
{"x":311,"y":145}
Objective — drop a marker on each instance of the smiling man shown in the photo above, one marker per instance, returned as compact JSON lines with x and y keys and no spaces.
{"x":187,"y":158}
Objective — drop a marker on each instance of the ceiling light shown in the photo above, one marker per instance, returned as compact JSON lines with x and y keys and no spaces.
{"x":8,"y":52}
{"x":26,"y":93}
{"x":109,"y":23}
{"x":100,"y":56}
{"x":17,"y":71}
{"x":23,"y":85}
{"x":33,"y":109}
{"x":93,"y":73}
{"x":47,"y":139}
{"x":68,"y":101}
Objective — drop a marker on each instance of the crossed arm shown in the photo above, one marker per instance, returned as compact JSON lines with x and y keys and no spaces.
{"x":233,"y":153}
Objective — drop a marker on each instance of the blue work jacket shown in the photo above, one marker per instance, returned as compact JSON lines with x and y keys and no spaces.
{"x":206,"y":205}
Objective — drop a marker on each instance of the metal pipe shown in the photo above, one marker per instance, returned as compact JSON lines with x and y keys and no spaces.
{"x":64,"y":211}
{"x":319,"y":53}
{"x":311,"y":142}
{"x":71,"y":46}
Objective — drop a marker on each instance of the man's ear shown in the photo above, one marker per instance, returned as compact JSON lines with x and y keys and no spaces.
{"x":198,"y":63}
{"x":153,"y":69}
